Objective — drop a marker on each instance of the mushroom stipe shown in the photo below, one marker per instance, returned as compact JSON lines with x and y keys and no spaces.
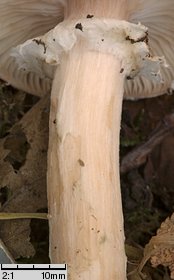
{"x":99,"y":54}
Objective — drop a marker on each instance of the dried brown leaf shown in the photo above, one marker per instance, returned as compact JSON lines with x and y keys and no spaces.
{"x":23,"y":158}
{"x":160,"y":249}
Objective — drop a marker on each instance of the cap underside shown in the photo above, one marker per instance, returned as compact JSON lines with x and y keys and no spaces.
{"x":19,"y":21}
{"x":22,"y":20}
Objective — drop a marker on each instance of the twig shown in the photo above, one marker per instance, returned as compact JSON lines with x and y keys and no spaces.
{"x":138,"y":156}
{"x":12,"y":216}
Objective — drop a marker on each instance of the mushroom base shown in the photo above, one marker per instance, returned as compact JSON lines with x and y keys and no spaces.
{"x":86,"y":222}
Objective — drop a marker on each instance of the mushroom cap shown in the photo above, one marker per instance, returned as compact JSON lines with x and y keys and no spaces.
{"x":21,"y":20}
{"x":37,"y":18}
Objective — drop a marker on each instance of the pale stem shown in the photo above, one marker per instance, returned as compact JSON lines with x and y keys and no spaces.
{"x":86,"y":221}
{"x":117,"y":9}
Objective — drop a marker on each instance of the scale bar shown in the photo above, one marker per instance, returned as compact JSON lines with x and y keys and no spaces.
{"x":33,"y":267}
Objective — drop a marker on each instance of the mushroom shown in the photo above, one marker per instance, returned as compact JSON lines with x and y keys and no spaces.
{"x":98,"y":49}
